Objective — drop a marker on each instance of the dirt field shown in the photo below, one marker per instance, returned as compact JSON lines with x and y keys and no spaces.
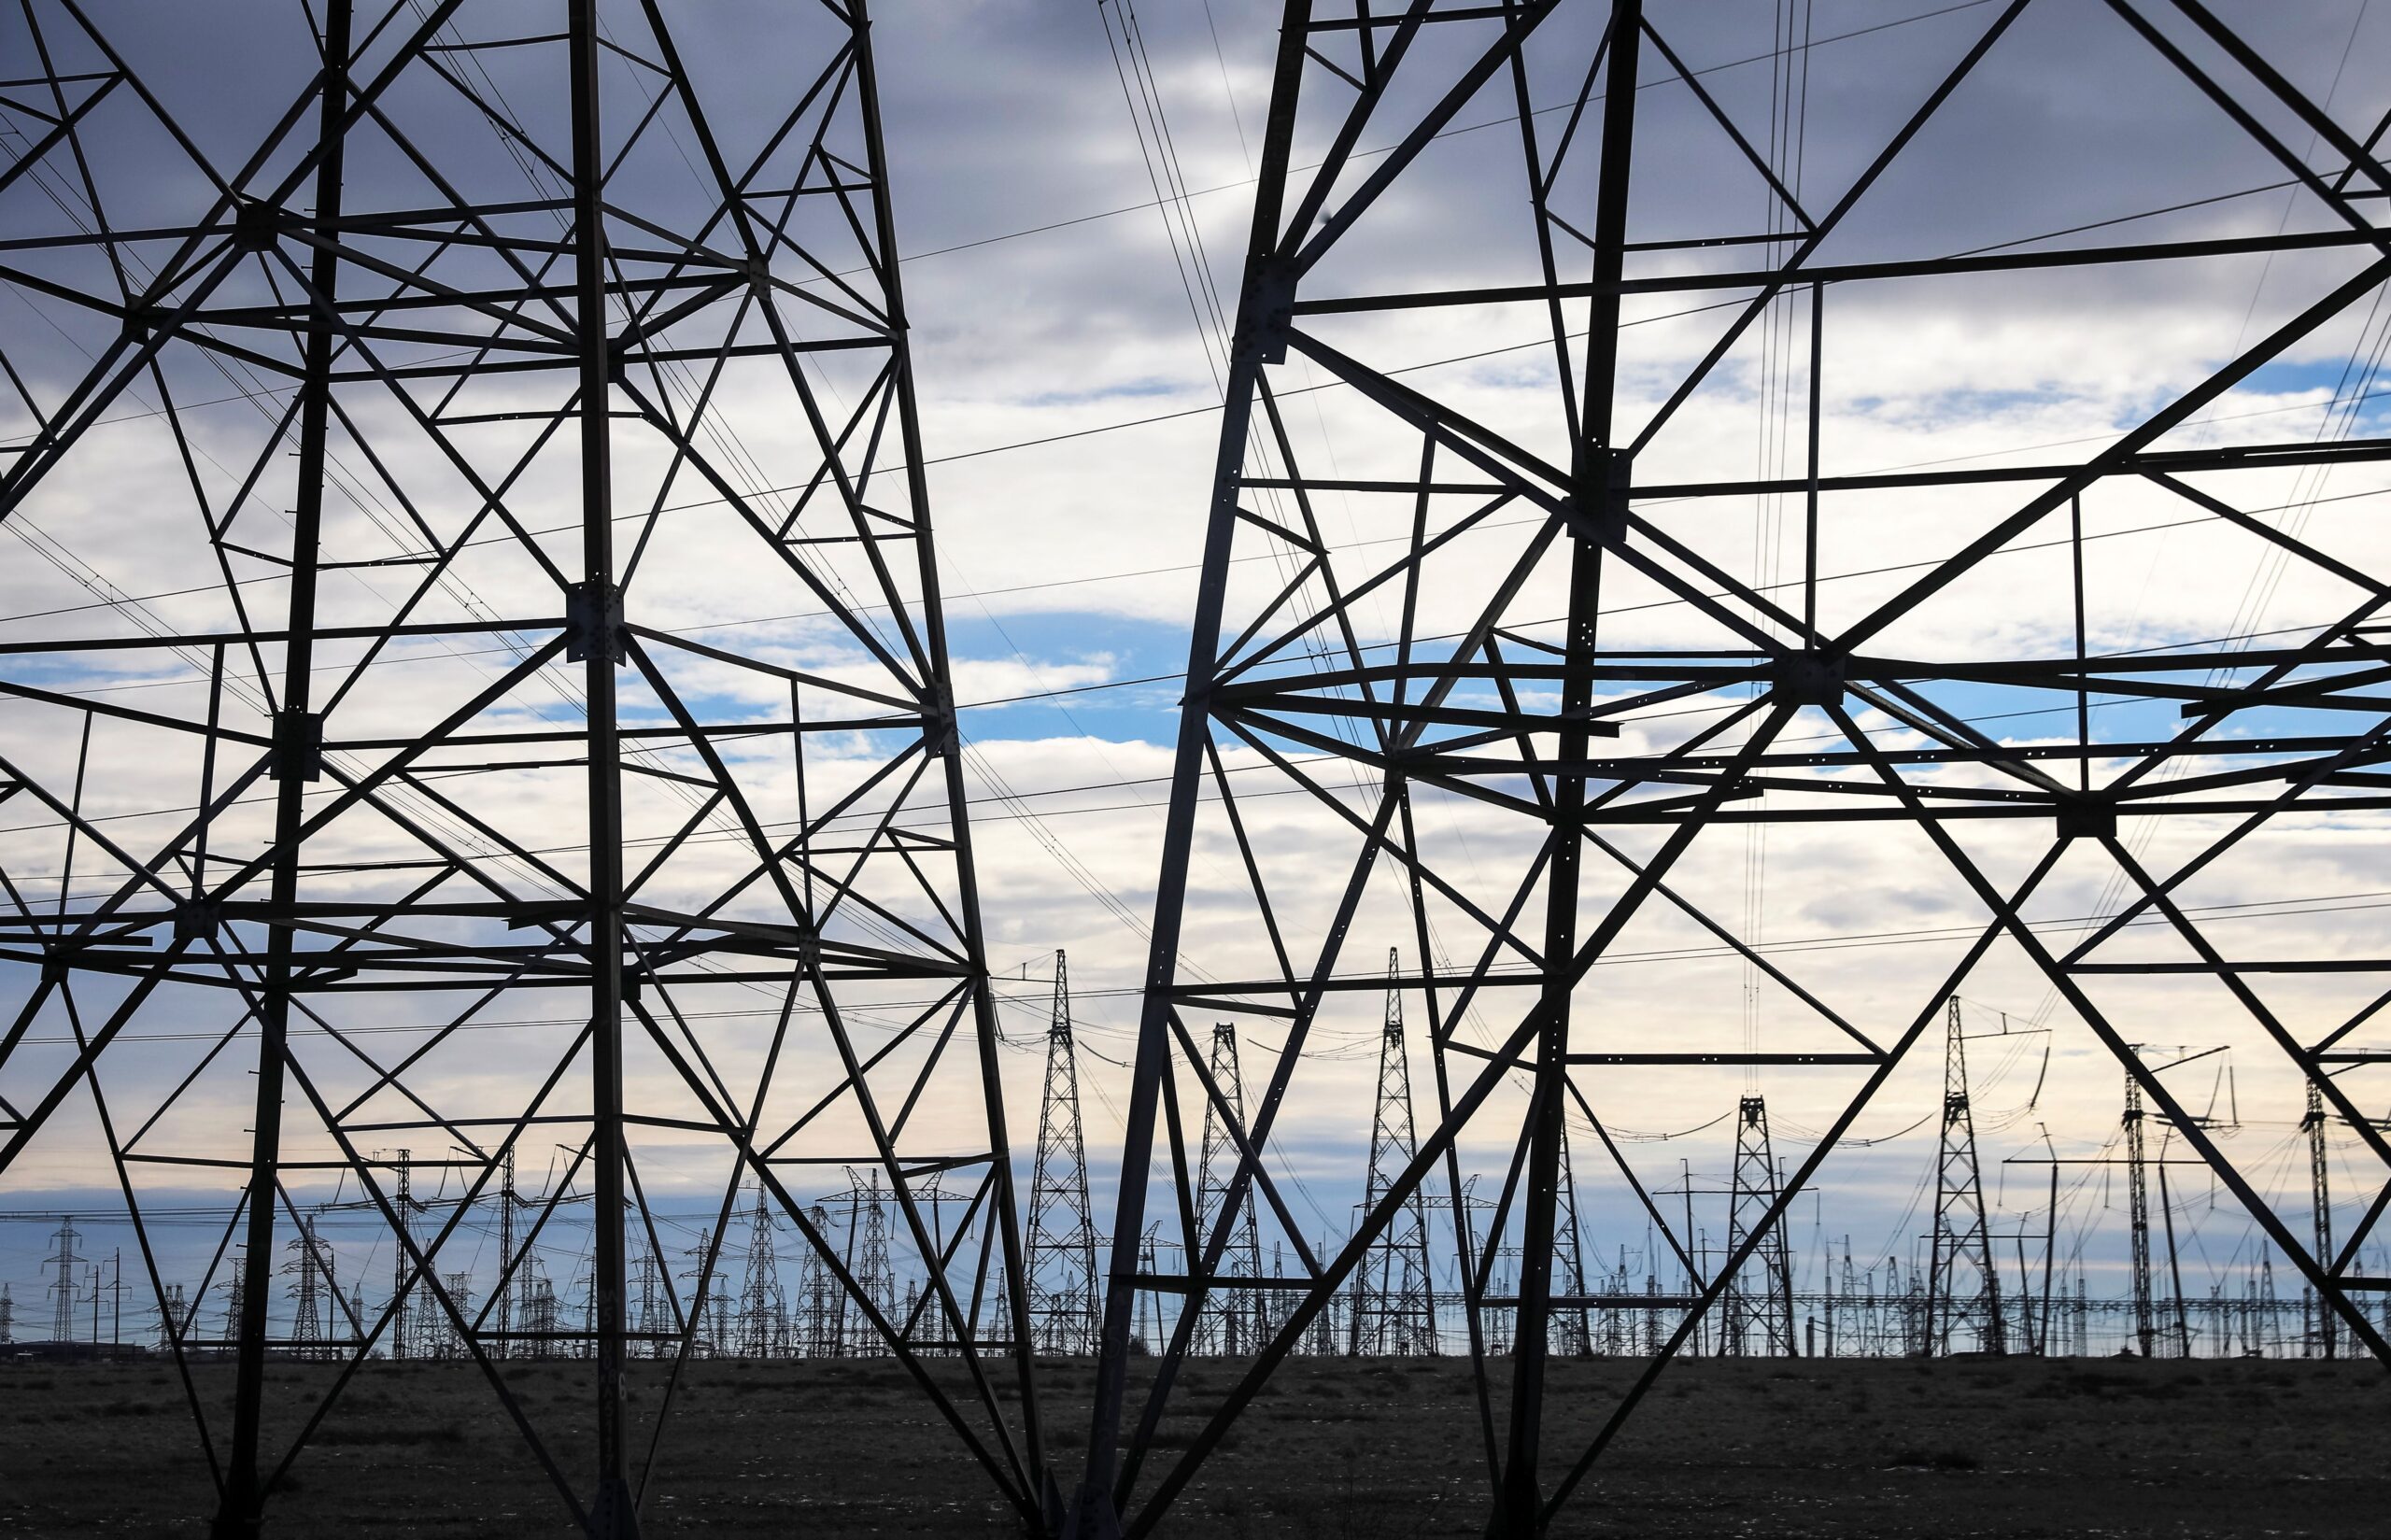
{"x":1339,"y":1449}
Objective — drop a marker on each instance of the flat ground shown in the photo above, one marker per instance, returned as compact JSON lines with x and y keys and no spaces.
{"x":1888,"y":1450}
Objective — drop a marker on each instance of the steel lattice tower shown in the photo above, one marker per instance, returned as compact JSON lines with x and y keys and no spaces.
{"x":2135,"y":1123}
{"x":762,"y":1307}
{"x":2320,"y":1202}
{"x":1537,"y":628}
{"x":1236,"y":1324}
{"x":1758,"y":1320}
{"x":1394,"y":1292}
{"x":311,"y":1283}
{"x":1061,"y":1243}
{"x":1962,"y":1231}
{"x":1572,"y":1332}
{"x":62,"y":1289}
{"x":536,"y":365}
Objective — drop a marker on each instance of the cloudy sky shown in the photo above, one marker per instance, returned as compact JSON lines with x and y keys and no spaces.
{"x":1068,"y":369}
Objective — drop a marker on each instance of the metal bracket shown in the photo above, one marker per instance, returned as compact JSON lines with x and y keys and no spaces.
{"x":256,"y":225}
{"x":197,"y":919}
{"x":593,"y":622}
{"x":1273,"y":281}
{"x":1600,"y":491}
{"x":298,"y":752}
{"x":1809,"y":678}
{"x":2087,"y":818}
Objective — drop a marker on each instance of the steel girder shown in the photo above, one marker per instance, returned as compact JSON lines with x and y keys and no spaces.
{"x":1534,"y":691}
{"x":537,"y":369}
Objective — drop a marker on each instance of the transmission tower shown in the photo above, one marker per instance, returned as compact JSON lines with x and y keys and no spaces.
{"x":1533,"y":568}
{"x":310,"y":1284}
{"x":818,"y":1299}
{"x":1766,"y":1312}
{"x":1962,"y":1229}
{"x":2320,"y":1199}
{"x":2145,"y":1316}
{"x":404,"y":1323}
{"x":1061,"y":1248}
{"x":64,"y":1258}
{"x":1235,"y":1317}
{"x":705,"y":1326}
{"x":1148,"y":1327}
{"x":235,"y":1294}
{"x":456,"y":1341}
{"x":1393,"y":1310}
{"x":8,"y":1315}
{"x":870,"y":1273}
{"x":1572,"y":1334}
{"x":541,"y":1321}
{"x":649,"y":1321}
{"x":761,"y":1304}
{"x":475,"y":271}
{"x":1854,"y":1299}
{"x":875,"y":1274}
{"x":500,"y":1316}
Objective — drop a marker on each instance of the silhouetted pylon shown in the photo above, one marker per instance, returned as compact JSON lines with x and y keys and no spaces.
{"x":1394,"y":1308}
{"x":1236,"y":1318}
{"x":1962,"y":1234}
{"x":1769,"y":1309}
{"x":1061,"y":1248}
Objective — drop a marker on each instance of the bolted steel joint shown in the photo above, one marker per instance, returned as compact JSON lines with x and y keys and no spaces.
{"x":1808,"y":678}
{"x":257,"y":226}
{"x":298,"y":752}
{"x":197,"y":919}
{"x":2087,"y":818}
{"x":1600,"y":485}
{"x":1273,"y":280}
{"x":593,"y":622}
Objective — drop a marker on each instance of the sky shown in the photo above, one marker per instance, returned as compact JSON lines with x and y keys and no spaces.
{"x":1069,"y":379}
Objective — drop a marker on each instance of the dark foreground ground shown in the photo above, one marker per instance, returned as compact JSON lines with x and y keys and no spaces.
{"x":1339,"y":1449}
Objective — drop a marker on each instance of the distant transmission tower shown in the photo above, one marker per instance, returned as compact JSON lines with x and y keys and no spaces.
{"x":2145,"y":1315}
{"x":1758,"y":1320}
{"x":705,"y":1330}
{"x":1061,"y":1248}
{"x":1393,"y":1310}
{"x":62,"y":1289}
{"x":1572,"y":1327}
{"x":761,"y":1304}
{"x":2320,"y":1200}
{"x":817,"y":1297}
{"x":404,"y":1208}
{"x":309,"y":1286}
{"x":1962,"y":1230}
{"x":649,"y":1317}
{"x":500,"y":1318}
{"x":1236,"y":1317}
{"x":872,"y":1290}
{"x":235,"y":1293}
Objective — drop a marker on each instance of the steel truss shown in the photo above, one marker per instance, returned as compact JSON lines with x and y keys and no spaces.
{"x":534,"y":363}
{"x":1547,"y":642}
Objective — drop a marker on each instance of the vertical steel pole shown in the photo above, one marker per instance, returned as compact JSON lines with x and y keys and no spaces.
{"x":596,"y":611}
{"x":1603,"y":477}
{"x":296,"y":740}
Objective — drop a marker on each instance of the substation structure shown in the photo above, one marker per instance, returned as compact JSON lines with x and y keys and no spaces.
{"x":1496,"y":646}
{"x":450,"y":366}
{"x":1967,"y":1286}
